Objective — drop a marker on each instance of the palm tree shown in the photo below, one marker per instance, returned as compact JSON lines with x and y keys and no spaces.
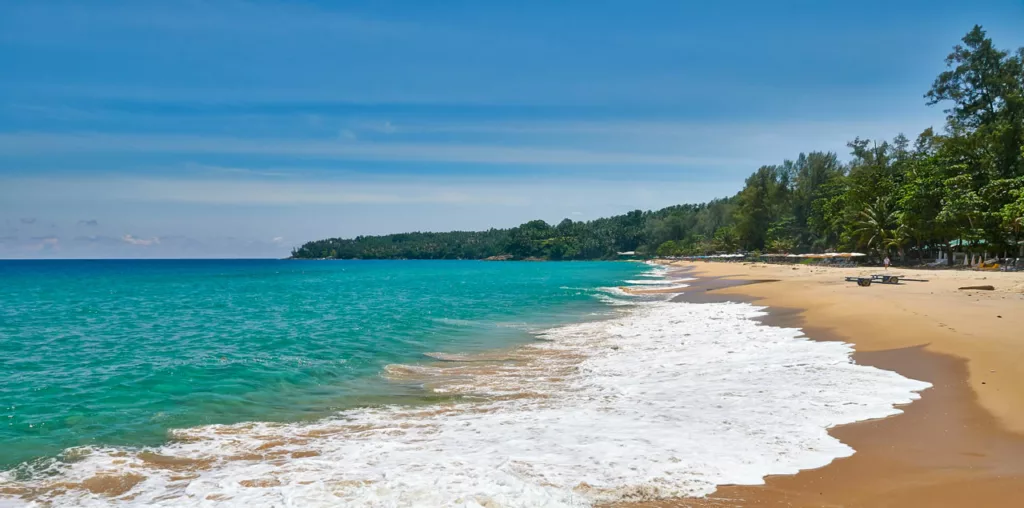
{"x":876,"y":226}
{"x":898,"y":239}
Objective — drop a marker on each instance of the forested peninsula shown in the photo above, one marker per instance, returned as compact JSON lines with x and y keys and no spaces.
{"x":963,"y":186}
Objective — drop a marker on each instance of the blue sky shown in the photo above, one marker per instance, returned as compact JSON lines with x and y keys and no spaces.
{"x":241,"y":129}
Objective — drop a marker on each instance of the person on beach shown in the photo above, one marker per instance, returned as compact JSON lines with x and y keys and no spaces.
{"x":885,"y":262}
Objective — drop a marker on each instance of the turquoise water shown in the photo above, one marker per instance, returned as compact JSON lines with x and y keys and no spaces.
{"x":118,"y":352}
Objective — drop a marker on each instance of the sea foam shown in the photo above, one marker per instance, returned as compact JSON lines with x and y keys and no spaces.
{"x":659,"y":282}
{"x":667,"y":399}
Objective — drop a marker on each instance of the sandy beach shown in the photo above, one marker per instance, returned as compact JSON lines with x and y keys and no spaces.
{"x":962,"y":444}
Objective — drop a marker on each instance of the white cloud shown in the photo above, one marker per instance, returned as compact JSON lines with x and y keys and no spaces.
{"x":258,"y":192}
{"x":193,"y":217}
{"x":131,"y":240}
{"x":207,"y":168}
{"x":240,"y":19}
{"x":129,"y":246}
{"x":485,"y":195}
{"x":622,"y":142}
{"x":36,"y":143}
{"x":37,"y":246}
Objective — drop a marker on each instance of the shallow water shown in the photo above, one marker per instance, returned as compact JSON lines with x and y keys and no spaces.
{"x":118,"y":352}
{"x":654,"y":399}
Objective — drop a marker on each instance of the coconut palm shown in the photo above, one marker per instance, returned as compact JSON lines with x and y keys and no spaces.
{"x":876,"y":226}
{"x":898,"y":239}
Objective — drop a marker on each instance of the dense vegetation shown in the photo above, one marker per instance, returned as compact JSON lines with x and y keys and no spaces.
{"x":964,"y":185}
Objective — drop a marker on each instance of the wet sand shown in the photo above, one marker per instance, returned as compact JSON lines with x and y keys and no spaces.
{"x":962,"y":444}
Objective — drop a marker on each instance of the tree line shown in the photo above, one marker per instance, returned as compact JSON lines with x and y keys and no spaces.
{"x":962,"y":187}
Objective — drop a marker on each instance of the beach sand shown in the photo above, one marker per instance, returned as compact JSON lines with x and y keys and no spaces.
{"x":962,"y":444}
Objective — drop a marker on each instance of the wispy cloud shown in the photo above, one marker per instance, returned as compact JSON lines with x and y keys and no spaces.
{"x":171,"y":246}
{"x":36,"y":143}
{"x":89,"y":222}
{"x":40,"y":244}
{"x":226,"y":170}
{"x":242,"y":19}
{"x":28,"y":220}
{"x":253,"y":192}
{"x":145,"y":242}
{"x":640,"y":126}
{"x":144,"y":193}
{"x":547,"y":142}
{"x":97,"y":239}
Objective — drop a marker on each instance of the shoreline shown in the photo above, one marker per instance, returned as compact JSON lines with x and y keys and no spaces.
{"x":960,"y":444}
{"x":569,"y":406}
{"x":535,"y":387}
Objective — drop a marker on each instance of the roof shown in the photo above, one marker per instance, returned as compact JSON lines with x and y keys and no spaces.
{"x":957,"y":243}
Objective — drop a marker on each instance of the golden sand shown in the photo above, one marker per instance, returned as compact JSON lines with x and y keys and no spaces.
{"x":962,"y":444}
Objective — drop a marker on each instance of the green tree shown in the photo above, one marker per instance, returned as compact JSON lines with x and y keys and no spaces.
{"x":876,"y":225}
{"x":668,"y":248}
{"x":758,"y":205}
{"x":966,"y":183}
{"x":920,"y":201}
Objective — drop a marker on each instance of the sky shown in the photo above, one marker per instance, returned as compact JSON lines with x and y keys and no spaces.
{"x":138,"y":129}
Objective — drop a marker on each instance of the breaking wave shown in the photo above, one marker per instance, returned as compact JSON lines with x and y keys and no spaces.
{"x":665,"y":400}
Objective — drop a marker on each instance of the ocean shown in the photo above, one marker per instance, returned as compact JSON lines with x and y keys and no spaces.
{"x":402,"y":383}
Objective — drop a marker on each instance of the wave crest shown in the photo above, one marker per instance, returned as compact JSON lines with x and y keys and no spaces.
{"x":670,"y":399}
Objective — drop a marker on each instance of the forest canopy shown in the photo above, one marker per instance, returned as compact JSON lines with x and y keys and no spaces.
{"x":962,"y":186}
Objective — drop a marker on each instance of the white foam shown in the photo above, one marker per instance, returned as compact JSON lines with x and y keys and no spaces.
{"x":618,"y":302}
{"x":645,"y":290}
{"x":657,"y":272}
{"x":670,"y":399}
{"x":659,"y":282}
{"x":456,"y":322}
{"x":614,"y":291}
{"x":470,"y":357}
